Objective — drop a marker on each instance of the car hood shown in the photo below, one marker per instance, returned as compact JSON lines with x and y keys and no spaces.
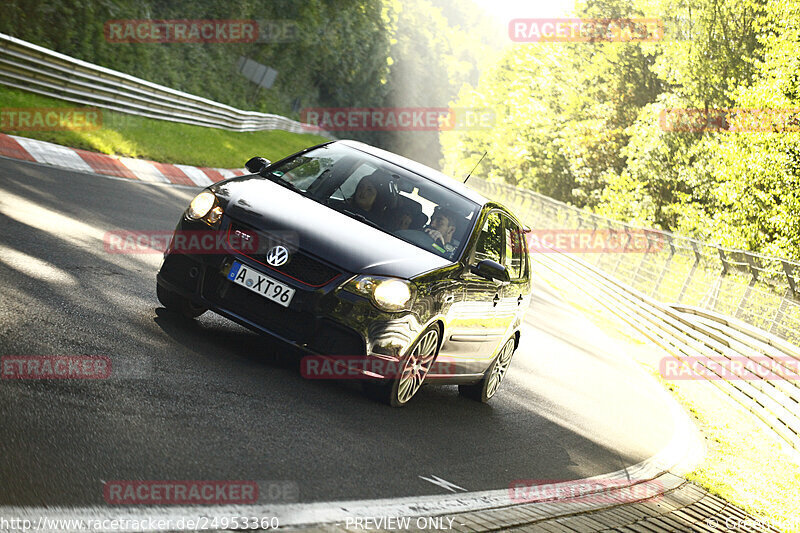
{"x":321,"y":231}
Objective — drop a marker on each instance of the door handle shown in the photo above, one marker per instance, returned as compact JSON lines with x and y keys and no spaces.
{"x":520,"y":299}
{"x":496,"y":299}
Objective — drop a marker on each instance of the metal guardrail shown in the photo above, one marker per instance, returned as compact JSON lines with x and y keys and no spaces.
{"x":773,"y":401}
{"x":757,"y":289}
{"x":693,"y":334}
{"x":30,"y":67}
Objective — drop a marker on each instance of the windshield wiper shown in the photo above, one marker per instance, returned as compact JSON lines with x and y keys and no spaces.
{"x":290,"y":186}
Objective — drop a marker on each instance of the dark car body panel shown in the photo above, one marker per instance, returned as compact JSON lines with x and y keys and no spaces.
{"x":324,"y":232}
{"x":475,"y":315}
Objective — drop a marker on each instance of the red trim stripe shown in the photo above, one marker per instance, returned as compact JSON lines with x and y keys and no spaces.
{"x":212,"y":174}
{"x":11,"y":148}
{"x":173,"y":173}
{"x":110,"y":166}
{"x":103,"y":164}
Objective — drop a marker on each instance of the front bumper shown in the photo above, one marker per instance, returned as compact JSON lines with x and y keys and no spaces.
{"x":322,"y":320}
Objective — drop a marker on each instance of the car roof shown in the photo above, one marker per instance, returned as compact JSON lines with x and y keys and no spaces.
{"x":420,"y":169}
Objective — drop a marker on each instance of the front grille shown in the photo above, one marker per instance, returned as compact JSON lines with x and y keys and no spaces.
{"x":300,"y":267}
{"x":310,"y":271}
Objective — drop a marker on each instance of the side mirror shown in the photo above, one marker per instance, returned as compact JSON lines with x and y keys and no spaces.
{"x":491,"y":270}
{"x":256,"y":164}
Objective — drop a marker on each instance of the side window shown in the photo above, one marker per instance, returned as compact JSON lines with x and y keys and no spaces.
{"x":514,"y":259}
{"x":490,"y":241}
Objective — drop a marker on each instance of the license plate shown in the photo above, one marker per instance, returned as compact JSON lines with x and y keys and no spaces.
{"x":264,"y":285}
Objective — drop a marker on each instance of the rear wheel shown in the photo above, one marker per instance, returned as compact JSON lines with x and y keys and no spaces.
{"x":398,"y":391}
{"x":176,"y":303}
{"x":483,"y":390}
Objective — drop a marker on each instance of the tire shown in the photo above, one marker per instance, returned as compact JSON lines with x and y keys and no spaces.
{"x":483,"y":390}
{"x":178,"y":304}
{"x":398,"y":391}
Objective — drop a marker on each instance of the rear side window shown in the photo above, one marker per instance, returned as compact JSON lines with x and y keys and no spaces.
{"x":490,"y":241}
{"x":514,"y":257}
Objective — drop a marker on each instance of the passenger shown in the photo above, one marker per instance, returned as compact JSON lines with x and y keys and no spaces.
{"x":365,"y":198}
{"x":408,"y":215}
{"x":400,"y":220}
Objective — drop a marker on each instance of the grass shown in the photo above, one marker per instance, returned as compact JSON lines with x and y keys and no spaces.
{"x":745,"y":463}
{"x":159,"y":140}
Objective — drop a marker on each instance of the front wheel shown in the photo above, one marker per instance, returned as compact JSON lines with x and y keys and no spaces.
{"x":483,"y":390}
{"x":398,"y":391}
{"x":176,"y":303}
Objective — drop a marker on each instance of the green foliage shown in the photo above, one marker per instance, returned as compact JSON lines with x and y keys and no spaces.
{"x":759,"y":172}
{"x":337,"y":57}
{"x":353,"y":53}
{"x":581,"y":122}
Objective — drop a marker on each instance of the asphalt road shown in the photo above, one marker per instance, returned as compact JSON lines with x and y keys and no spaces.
{"x":210,"y":400}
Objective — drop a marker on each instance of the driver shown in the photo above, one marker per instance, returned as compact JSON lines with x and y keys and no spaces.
{"x":441,"y":228}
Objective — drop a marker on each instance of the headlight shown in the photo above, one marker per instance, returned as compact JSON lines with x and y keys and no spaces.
{"x":204,"y":206}
{"x":387,"y":294}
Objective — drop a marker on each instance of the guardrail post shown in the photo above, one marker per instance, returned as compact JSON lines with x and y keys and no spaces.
{"x":752,"y":266}
{"x":668,"y":260}
{"x":724,"y":261}
{"x":789,"y":270}
{"x":753,"y":269}
{"x":593,"y":220}
{"x":689,"y":276}
{"x":618,"y":253}
{"x":642,"y":260}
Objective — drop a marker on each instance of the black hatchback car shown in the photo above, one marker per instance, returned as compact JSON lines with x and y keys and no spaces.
{"x":351,"y":253}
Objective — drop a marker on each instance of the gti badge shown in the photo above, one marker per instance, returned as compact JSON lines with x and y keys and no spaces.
{"x":242,"y":235}
{"x":277,"y":256}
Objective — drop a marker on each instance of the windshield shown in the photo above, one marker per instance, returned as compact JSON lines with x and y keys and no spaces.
{"x":381,"y":194}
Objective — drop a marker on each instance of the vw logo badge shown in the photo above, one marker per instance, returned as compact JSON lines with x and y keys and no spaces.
{"x":277,"y":256}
